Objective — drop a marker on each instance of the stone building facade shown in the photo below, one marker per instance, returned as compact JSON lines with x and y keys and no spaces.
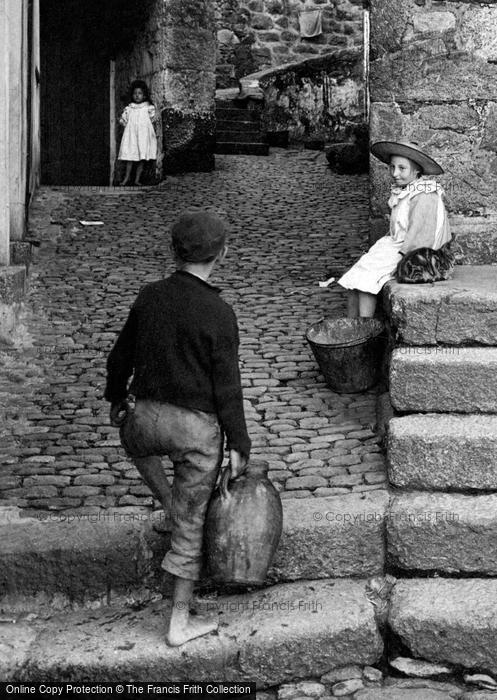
{"x":174,"y":52}
{"x":19,"y":147}
{"x":434,"y":81}
{"x":268,"y":33}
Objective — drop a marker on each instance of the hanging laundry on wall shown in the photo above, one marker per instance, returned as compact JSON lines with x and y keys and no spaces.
{"x":310,"y":21}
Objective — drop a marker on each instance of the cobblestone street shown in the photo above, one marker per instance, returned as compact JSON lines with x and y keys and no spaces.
{"x":293,"y":223}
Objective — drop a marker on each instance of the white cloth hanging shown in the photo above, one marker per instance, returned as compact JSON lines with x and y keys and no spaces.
{"x":311,"y":22}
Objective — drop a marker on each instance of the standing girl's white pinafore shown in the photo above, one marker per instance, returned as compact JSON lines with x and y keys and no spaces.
{"x":139,"y":141}
{"x":378,"y":265}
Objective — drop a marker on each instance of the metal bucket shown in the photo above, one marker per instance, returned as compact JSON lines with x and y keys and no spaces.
{"x":348,"y":351}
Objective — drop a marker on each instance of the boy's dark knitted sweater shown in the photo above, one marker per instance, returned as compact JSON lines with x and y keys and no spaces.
{"x":180,"y":342}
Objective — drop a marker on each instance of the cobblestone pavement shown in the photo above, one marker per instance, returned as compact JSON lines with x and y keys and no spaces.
{"x":293,"y":223}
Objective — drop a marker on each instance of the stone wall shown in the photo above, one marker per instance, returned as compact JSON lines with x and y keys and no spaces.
{"x":434,"y":81}
{"x":174,"y":51}
{"x":267,"y":33}
{"x":320,"y":99}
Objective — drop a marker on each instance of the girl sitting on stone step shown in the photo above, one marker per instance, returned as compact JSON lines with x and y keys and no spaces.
{"x":418,"y":219}
{"x":139,"y":142}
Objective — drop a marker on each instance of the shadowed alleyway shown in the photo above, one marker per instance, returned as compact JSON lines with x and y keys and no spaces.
{"x":293,"y":223}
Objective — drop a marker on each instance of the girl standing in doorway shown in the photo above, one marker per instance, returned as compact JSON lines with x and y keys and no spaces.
{"x":139,"y":142}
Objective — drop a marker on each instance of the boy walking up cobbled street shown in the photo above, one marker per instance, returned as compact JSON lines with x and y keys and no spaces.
{"x":180,"y":345}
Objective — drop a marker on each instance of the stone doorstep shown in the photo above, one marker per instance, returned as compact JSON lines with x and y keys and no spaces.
{"x":299,"y":630}
{"x":103,"y":554}
{"x":460,"y":311}
{"x":448,"y":621}
{"x":440,"y":452}
{"x":444,"y":380}
{"x":443,"y":532}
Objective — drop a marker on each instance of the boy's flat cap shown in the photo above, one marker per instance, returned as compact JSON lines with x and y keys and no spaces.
{"x":198,"y":236}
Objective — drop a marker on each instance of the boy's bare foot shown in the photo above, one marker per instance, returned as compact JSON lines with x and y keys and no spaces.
{"x":124,"y":183}
{"x":195,"y":627}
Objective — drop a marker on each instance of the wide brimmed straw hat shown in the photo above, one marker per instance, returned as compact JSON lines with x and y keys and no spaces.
{"x":384,"y":150}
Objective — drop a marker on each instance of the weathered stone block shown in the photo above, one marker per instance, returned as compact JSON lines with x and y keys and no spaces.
{"x":448,"y":621}
{"x":443,"y":380}
{"x":476,"y":238}
{"x":15,"y":644}
{"x":275,"y":635}
{"x":79,"y":557}
{"x":275,"y":7}
{"x":433,"y":22}
{"x":413,"y":74}
{"x":389,"y":22}
{"x":261,"y":21}
{"x":489,"y":141}
{"x":12,"y":284}
{"x":453,"y":533}
{"x":189,"y":88}
{"x":331,"y":537}
{"x":187,"y":50}
{"x":443,"y":452}
{"x":476,"y":29}
{"x":20,"y":253}
{"x":460,"y":311}
{"x":421,"y":692}
{"x":196,"y":14}
{"x":101,"y":479}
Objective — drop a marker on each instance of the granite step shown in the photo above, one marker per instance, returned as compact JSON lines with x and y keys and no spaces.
{"x":443,"y":532}
{"x":234,"y":148}
{"x":234,"y":136}
{"x":236,"y":114}
{"x":234,"y":125}
{"x":443,"y":452}
{"x":78,"y":559}
{"x":444,"y":380}
{"x":448,"y":621}
{"x":290,"y":631}
{"x":460,"y":311}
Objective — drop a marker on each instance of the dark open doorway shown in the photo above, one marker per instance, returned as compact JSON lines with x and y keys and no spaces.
{"x":75,"y":74}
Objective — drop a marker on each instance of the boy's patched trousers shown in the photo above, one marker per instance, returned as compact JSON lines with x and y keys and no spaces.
{"x":193,"y":441}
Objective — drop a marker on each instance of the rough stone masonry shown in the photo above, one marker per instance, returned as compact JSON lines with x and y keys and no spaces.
{"x":434,"y":81}
{"x":175,"y":53}
{"x":269,"y":35}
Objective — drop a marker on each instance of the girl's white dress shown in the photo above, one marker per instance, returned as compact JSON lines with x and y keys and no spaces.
{"x":139,"y":141}
{"x":418,"y":219}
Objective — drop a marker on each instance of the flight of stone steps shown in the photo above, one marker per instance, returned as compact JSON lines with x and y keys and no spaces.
{"x":89,"y":600}
{"x":238,"y":129}
{"x":442,"y":463}
{"x":86,"y":598}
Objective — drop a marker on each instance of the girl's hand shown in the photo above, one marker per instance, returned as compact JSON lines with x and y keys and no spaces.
{"x":151,"y":113}
{"x":124,"y":116}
